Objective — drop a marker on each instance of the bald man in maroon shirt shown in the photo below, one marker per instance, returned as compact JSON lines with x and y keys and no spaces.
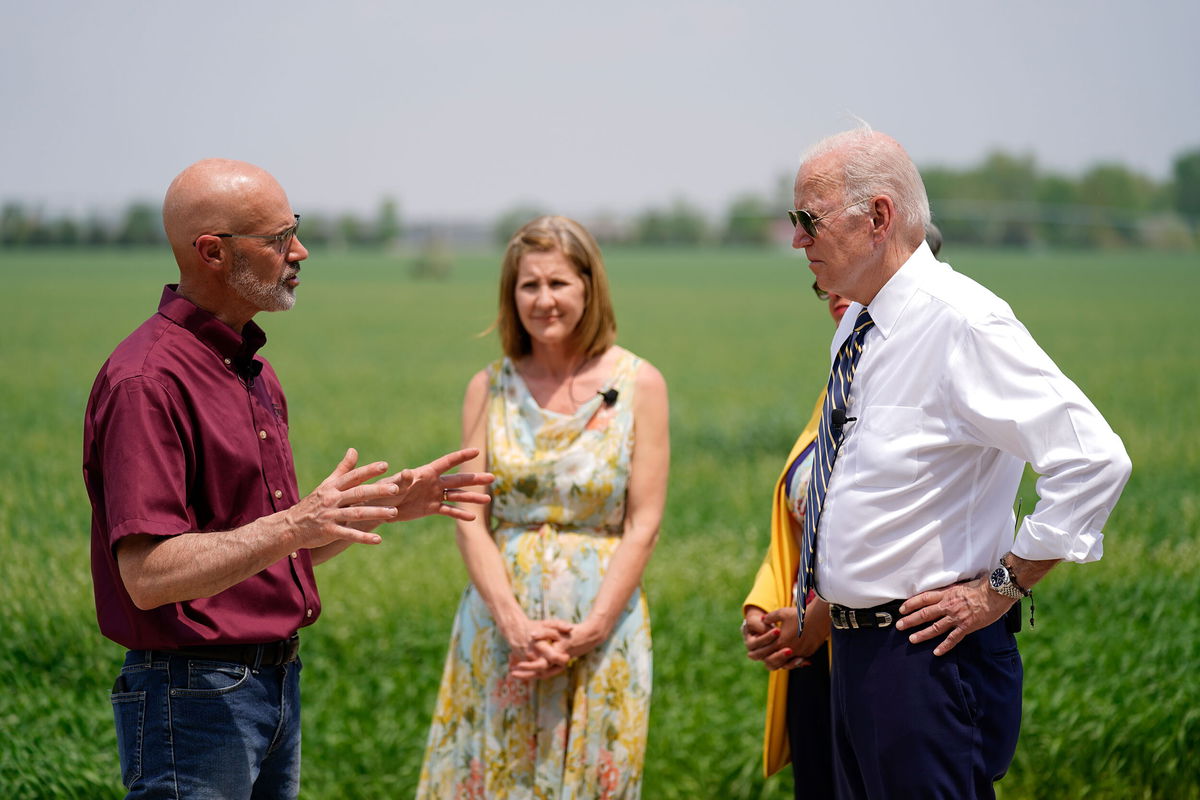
{"x":202,"y":548}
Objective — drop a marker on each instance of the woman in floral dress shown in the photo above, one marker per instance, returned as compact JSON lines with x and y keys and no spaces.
{"x":546,"y":688}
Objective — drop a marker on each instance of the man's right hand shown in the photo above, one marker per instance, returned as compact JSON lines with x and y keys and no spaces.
{"x":326,"y":514}
{"x":157,"y":570}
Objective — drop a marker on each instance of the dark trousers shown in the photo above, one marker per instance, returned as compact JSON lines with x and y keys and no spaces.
{"x":909,"y":724}
{"x":809,"y":725}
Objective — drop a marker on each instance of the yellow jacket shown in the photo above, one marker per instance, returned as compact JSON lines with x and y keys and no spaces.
{"x":773,"y":588}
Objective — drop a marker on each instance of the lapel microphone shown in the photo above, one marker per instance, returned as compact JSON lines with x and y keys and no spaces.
{"x":610,"y":397}
{"x":838,"y":418}
{"x":247,"y":369}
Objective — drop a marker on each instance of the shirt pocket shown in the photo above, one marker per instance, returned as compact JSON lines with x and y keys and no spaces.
{"x":887,"y":453}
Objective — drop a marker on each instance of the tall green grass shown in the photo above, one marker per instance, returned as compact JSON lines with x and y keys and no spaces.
{"x":373,"y":359}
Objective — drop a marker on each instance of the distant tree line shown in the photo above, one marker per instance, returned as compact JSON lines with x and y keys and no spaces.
{"x":140,"y":224}
{"x":1006,"y":200}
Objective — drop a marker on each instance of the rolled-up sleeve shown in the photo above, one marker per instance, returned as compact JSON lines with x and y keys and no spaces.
{"x":1013,"y":397}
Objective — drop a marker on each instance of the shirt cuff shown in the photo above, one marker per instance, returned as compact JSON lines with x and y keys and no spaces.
{"x":152,"y":527}
{"x":1037,"y":541}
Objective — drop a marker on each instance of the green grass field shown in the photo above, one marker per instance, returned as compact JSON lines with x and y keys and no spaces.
{"x":374,"y":359}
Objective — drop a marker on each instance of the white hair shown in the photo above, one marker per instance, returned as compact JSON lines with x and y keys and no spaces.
{"x":875,"y":164}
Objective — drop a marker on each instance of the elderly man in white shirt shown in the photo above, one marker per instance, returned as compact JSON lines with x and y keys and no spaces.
{"x":914,"y":548}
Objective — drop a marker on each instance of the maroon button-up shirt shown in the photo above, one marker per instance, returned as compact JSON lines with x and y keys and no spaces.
{"x":186,"y":431}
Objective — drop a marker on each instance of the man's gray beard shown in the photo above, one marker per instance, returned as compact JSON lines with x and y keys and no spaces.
{"x":262,"y":295}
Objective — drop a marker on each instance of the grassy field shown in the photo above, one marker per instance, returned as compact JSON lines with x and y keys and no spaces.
{"x":372,"y":358}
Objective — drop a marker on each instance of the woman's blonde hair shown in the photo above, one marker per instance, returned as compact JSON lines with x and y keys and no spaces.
{"x":597,"y":329}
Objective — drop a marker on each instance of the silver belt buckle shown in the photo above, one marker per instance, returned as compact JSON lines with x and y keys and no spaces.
{"x":839,"y":618}
{"x":847,"y":618}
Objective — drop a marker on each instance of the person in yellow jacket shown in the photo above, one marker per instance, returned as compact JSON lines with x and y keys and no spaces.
{"x":798,"y":721}
{"x":798,"y":726}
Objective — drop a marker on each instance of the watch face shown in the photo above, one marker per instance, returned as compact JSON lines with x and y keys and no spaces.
{"x":999,"y":577}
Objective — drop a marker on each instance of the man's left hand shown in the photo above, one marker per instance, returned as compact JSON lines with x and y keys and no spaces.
{"x":955,"y":610}
{"x":426,"y":490}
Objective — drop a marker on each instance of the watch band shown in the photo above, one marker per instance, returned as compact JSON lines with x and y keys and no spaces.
{"x":1001,"y":580}
{"x":1004,"y":581}
{"x":1012,"y":578}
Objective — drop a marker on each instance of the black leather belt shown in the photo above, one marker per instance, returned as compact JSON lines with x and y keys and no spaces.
{"x":881,"y":616}
{"x":884,"y":616}
{"x":269,"y":654}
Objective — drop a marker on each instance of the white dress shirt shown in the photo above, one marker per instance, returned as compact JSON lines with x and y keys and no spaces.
{"x":952,"y":396}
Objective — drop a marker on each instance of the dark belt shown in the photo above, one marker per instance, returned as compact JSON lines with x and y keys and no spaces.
{"x":269,"y":654}
{"x":885,"y":616}
{"x":881,"y":616}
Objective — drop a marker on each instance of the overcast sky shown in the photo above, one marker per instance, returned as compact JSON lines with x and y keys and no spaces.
{"x":466,"y":108}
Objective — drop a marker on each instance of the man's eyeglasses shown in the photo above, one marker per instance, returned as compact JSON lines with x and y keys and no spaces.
{"x":819,"y":292}
{"x":804,"y":219}
{"x":282,"y":240}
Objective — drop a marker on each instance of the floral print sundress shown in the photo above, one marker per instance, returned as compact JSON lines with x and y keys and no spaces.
{"x":558,"y":511}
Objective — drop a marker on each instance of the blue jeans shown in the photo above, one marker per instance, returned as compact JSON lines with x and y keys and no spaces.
{"x":188,"y":728}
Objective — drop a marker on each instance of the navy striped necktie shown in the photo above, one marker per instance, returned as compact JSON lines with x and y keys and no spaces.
{"x":829,"y":439}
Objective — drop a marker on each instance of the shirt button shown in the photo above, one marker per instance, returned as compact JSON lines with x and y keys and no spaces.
{"x":278,"y":494}
{"x":228,"y":362}
{"x":262,"y":434}
{"x":295,"y":555}
{"x":308,"y":613}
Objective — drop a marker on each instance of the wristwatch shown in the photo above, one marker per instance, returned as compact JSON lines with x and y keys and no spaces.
{"x":1003,"y":581}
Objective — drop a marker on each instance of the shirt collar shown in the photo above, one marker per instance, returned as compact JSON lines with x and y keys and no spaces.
{"x":236,"y":350}
{"x":890,"y":301}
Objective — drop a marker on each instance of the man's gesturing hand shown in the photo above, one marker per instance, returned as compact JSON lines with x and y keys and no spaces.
{"x":326,"y":514}
{"x":425,"y":490}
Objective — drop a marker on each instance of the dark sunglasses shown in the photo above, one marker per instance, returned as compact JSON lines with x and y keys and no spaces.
{"x":804,"y":219}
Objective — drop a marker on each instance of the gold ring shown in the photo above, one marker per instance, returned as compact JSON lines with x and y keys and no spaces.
{"x":445,"y":495}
